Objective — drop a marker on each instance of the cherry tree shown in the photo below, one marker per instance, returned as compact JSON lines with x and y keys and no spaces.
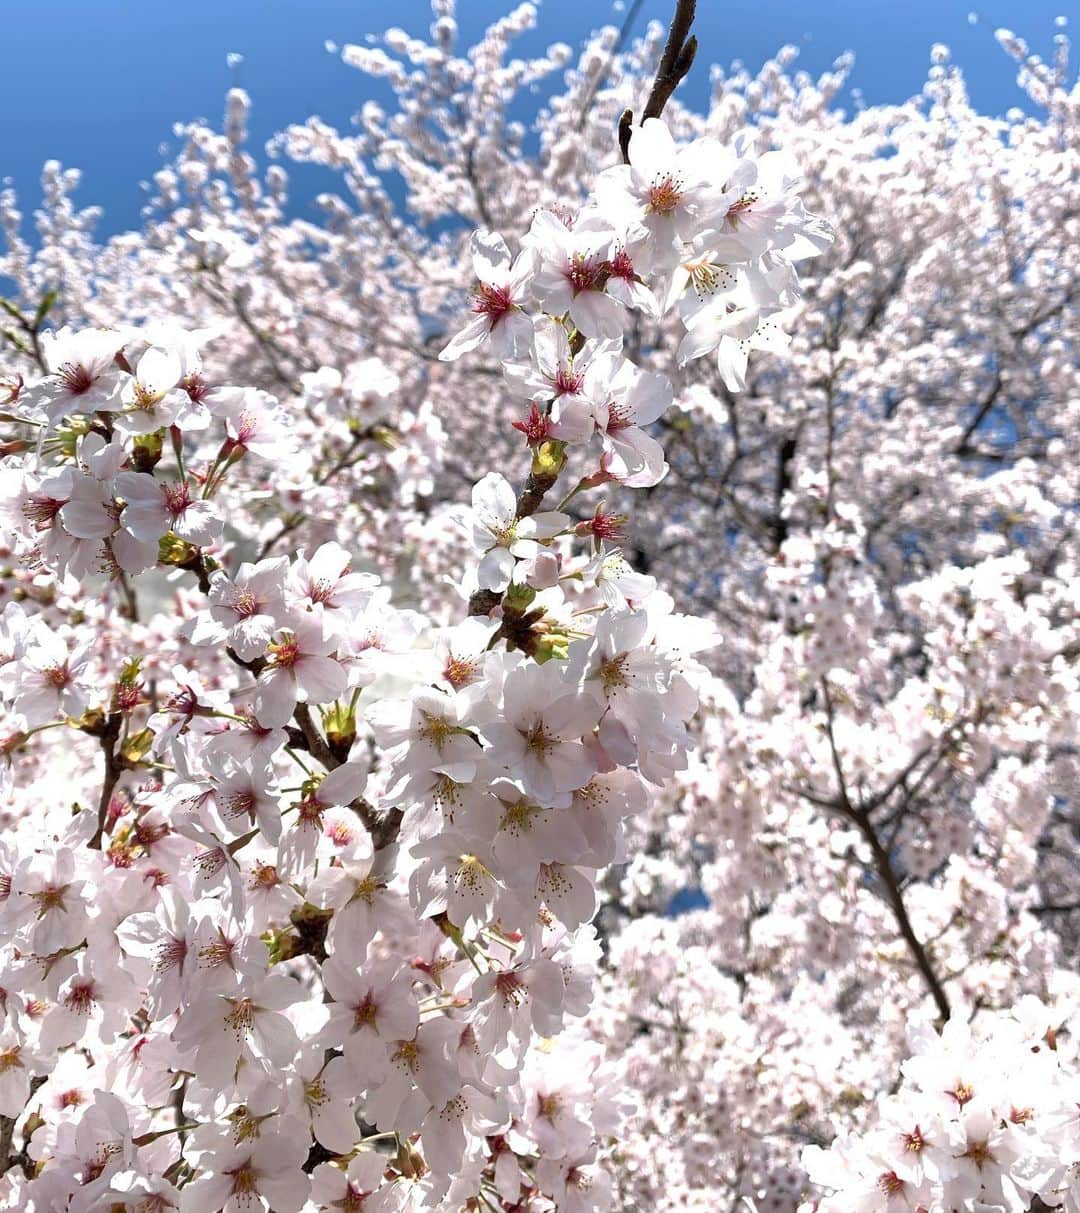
{"x":552,"y":684}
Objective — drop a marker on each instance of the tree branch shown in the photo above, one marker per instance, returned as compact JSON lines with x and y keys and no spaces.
{"x":110,"y":735}
{"x":860,"y":818}
{"x":675,"y":63}
{"x":963,"y":446}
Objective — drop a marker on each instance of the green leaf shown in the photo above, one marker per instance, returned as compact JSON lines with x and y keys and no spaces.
{"x":16,"y":340}
{"x":45,"y":307}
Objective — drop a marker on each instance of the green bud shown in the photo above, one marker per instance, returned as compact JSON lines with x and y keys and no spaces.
{"x":129,"y":671}
{"x":146,"y":451}
{"x":138,"y":745}
{"x":549,"y":459}
{"x":340,"y":725}
{"x":553,"y":645}
{"x":174,"y":550}
{"x":519,"y":597}
{"x":281,"y":944}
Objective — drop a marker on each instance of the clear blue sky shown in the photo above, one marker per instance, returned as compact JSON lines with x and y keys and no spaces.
{"x":97,"y":84}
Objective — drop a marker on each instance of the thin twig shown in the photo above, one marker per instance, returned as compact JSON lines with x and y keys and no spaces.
{"x":110,"y":735}
{"x":860,"y":818}
{"x":598,"y":80}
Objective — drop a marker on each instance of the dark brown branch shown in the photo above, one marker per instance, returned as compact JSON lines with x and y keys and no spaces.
{"x":313,"y":739}
{"x":7,"y":1133}
{"x":785,"y":457}
{"x":883,"y":864}
{"x":477,"y":189}
{"x":110,"y":735}
{"x":536,"y":488}
{"x":963,"y":446}
{"x":676,"y":61}
{"x":675,"y":64}
{"x":860,"y":818}
{"x":626,"y":126}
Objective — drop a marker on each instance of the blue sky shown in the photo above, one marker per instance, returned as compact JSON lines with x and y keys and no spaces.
{"x":97,"y":84}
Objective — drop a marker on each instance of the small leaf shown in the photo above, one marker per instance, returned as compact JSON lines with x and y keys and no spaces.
{"x":46,"y":305}
{"x":16,"y":340}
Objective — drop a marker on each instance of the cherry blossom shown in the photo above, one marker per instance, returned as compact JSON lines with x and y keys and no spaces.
{"x":629,"y":766}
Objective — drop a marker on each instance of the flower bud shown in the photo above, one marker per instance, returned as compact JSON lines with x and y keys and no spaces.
{"x":146,"y":451}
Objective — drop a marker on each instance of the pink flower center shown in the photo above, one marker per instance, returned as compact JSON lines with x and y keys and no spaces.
{"x":49,"y":898}
{"x":41,"y":511}
{"x":210,"y":862}
{"x":619,"y":417}
{"x":568,"y":381}
{"x":171,"y":955}
{"x":75,"y":378}
{"x":80,"y":997}
{"x":914,"y":1141}
{"x":742,"y":207}
{"x":184,"y":703}
{"x":242,"y":1016}
{"x":364,"y":1012}
{"x":244,"y":1180}
{"x":622,"y":266}
{"x":146,"y":399}
{"x":246,"y":427}
{"x":96,"y":1165}
{"x":979,"y":1153}
{"x":459,"y":671}
{"x":492,"y":301}
{"x":310,"y":812}
{"x":605,"y":526}
{"x":322,"y":591}
{"x":217,"y":953}
{"x":177,"y":498}
{"x":585,"y":273}
{"x":963,"y":1093}
{"x":509,"y":988}
{"x":340,"y":834}
{"x":195,"y":386}
{"x":890,"y":1183}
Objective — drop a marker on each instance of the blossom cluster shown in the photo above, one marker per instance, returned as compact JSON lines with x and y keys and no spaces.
{"x":987,"y":1116}
{"x":304,"y":946}
{"x":876,"y":825}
